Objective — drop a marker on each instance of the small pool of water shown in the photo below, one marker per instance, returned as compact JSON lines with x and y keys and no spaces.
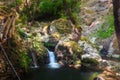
{"x":64,"y":73}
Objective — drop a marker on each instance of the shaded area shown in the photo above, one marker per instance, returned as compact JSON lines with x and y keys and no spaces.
{"x":63,"y":73}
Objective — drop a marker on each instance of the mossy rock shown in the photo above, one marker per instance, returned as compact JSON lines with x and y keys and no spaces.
{"x":69,"y":52}
{"x":62,"y":25}
{"x":39,"y":48}
{"x":74,"y":45}
{"x":56,"y":35}
{"x":83,"y":38}
{"x":90,"y":62}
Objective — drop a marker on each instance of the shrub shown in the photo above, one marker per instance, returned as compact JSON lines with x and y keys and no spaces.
{"x":46,"y":9}
{"x":25,"y":60}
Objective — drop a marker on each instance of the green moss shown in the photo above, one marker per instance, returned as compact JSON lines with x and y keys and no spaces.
{"x":39,"y":47}
{"x":15,"y":3}
{"x":83,"y":38}
{"x":40,"y":50}
{"x":49,"y":44}
{"x":62,"y":25}
{"x":90,"y":61}
{"x":21,"y":33}
{"x":74,"y":45}
{"x":25,"y":60}
{"x":104,"y":32}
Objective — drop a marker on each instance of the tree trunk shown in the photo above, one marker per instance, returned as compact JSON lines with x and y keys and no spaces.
{"x":116,"y":10}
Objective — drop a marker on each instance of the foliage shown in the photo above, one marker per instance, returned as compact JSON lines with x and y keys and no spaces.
{"x":46,"y":9}
{"x":50,"y":7}
{"x":93,"y":76}
{"x":25,"y":60}
{"x":23,"y":17}
{"x":19,"y":1}
{"x":48,"y":44}
{"x":36,"y":45}
{"x":62,"y":25}
{"x":104,"y":32}
{"x":16,"y":3}
{"x":39,"y":47}
{"x":21,"y":33}
{"x":119,"y":58}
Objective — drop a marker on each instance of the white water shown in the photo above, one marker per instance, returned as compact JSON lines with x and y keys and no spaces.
{"x":53,"y":63}
{"x":34,"y":60}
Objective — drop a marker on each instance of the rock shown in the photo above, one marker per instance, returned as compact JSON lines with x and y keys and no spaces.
{"x":90,"y":63}
{"x":99,"y":78}
{"x":77,"y":64}
{"x":68,"y":51}
{"x":103,"y":64}
{"x":57,"y":29}
{"x":103,"y":0}
{"x":62,"y":26}
{"x":52,"y":29}
{"x":45,"y":38}
{"x":115,"y":46}
{"x":54,"y":38}
{"x":41,"y":53}
{"x":91,"y":12}
{"x":106,"y":75}
{"x":110,"y":70}
{"x":89,"y":50}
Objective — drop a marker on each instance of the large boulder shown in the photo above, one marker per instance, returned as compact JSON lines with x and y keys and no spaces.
{"x":68,"y":52}
{"x":61,"y":26}
{"x":89,"y":49}
{"x":53,"y":32}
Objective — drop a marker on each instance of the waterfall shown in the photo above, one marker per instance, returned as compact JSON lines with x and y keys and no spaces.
{"x":34,"y":60}
{"x":53,"y":63}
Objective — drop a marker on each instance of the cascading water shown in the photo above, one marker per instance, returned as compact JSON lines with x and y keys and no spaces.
{"x":53,"y":63}
{"x":34,"y":60}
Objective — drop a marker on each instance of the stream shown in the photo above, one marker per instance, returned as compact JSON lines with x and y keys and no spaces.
{"x":53,"y":71}
{"x":63,"y":73}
